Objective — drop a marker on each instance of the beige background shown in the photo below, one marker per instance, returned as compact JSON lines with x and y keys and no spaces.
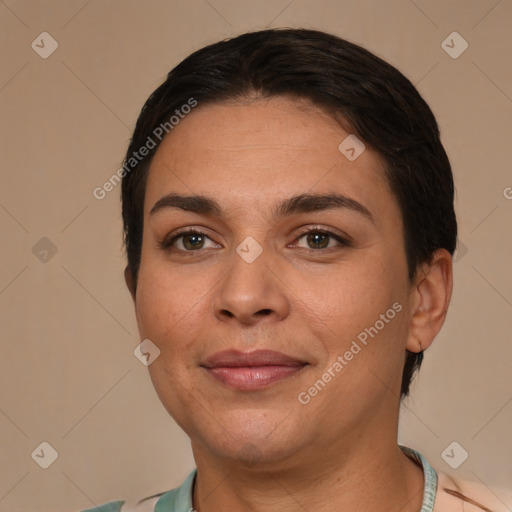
{"x":68,"y":375}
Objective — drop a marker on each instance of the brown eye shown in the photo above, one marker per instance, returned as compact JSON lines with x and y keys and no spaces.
{"x":193,"y":241}
{"x":317,"y":240}
{"x":320,"y":239}
{"x":187,"y":241}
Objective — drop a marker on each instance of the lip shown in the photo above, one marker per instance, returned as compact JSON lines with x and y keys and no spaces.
{"x":251,"y":370}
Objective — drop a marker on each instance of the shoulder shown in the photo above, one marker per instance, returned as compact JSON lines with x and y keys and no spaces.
{"x":145,"y":505}
{"x":113,"y":506}
{"x":457,"y":494}
{"x":176,"y":500}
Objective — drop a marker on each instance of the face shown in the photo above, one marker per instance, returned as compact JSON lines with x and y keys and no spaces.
{"x":279,"y":299}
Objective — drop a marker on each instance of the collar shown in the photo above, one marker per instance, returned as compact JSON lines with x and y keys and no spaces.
{"x":180,"y":499}
{"x":430,"y":478}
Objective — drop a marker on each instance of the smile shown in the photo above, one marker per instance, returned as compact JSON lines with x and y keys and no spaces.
{"x":253,"y":370}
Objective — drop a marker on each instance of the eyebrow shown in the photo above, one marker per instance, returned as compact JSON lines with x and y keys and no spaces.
{"x":302,"y":203}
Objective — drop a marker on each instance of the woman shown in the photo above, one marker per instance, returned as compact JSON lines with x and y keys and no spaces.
{"x":289,"y":227}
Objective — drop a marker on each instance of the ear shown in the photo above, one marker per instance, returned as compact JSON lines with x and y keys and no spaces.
{"x":429,"y":300}
{"x":128,"y":278}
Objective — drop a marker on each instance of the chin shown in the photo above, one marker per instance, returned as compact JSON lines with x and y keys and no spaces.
{"x":271,"y":432}
{"x":255,"y":439}
{"x":256,"y":454}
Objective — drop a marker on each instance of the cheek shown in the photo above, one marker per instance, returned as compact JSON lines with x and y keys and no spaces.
{"x":173,"y":307}
{"x":366,"y":306}
{"x":161,"y":306}
{"x":357,"y":295}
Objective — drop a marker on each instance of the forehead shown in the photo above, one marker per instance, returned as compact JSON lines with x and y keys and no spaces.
{"x":250,"y":153}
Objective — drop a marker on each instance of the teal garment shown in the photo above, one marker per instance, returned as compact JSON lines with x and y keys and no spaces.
{"x":430,"y":479}
{"x":180,"y":499}
{"x":113,"y":506}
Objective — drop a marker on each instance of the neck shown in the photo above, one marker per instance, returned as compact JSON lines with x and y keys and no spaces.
{"x":374,"y":476}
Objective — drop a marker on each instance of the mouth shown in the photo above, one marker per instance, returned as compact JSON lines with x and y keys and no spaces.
{"x":252,"y":370}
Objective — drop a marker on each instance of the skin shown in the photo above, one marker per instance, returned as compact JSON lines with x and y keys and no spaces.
{"x":264,"y":450}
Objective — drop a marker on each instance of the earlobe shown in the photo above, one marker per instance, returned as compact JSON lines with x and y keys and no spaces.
{"x":432,"y":294}
{"x":128,"y":278}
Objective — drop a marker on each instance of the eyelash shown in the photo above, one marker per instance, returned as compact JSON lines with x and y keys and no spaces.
{"x":167,"y":243}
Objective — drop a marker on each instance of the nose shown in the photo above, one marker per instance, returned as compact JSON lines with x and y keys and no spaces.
{"x":251,"y":292}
